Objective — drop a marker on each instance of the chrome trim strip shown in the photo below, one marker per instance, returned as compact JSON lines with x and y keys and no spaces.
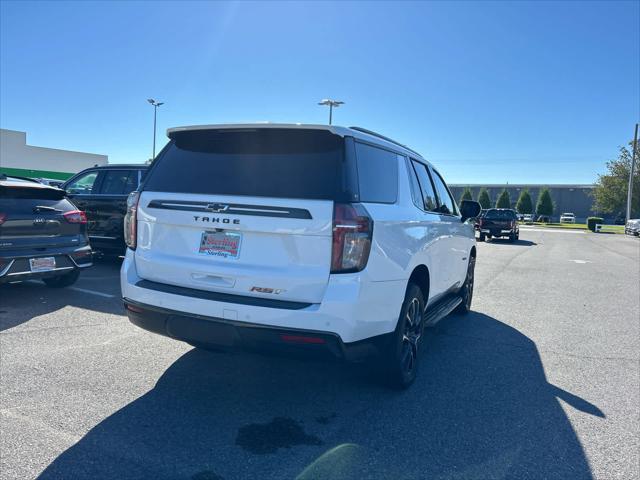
{"x":6,"y":269}
{"x":59,"y":269}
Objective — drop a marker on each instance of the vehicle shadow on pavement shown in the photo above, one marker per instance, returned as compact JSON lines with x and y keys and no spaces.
{"x":25,"y":301}
{"x":481,"y":408}
{"x":518,"y":243}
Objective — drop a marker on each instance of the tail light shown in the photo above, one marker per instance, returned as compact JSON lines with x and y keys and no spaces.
{"x":352,"y":233}
{"x":131,"y":220}
{"x":75,"y":216}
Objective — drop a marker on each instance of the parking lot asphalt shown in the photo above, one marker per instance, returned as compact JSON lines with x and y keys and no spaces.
{"x":542,"y":380}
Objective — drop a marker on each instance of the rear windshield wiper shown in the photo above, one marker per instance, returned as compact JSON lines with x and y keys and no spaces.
{"x":45,"y":208}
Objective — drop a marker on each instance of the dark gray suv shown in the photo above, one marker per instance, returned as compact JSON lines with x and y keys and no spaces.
{"x":42,"y":234}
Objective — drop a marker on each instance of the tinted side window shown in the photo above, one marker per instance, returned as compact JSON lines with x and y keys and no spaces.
{"x":377,"y":174}
{"x":82,"y":185}
{"x":428,"y":196}
{"x":446,"y":203}
{"x":132,"y":182}
{"x":114,"y":182}
{"x":416,"y":194}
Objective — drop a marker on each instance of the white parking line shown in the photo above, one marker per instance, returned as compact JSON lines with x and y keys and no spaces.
{"x":552,"y":230}
{"x":92,"y":292}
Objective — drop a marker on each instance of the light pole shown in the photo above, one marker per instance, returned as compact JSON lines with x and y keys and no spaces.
{"x":331,"y":104}
{"x":155,"y":113}
{"x":633,"y":163}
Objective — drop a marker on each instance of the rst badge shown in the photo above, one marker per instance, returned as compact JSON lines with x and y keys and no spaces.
{"x":275,"y":291}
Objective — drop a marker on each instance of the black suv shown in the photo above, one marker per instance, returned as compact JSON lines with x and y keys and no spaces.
{"x":42,"y":234}
{"x":101,"y":192}
{"x":499,"y":222}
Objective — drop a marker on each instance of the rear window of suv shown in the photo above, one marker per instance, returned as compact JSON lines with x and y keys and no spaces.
{"x":500,"y":214}
{"x":282,"y":163}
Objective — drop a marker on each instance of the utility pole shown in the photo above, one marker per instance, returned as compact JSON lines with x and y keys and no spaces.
{"x":330,"y":103}
{"x":155,"y":113}
{"x":633,"y":163}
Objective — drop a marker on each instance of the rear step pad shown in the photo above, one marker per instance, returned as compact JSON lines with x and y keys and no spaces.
{"x":440,"y":310}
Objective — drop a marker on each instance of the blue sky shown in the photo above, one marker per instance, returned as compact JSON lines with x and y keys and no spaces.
{"x":540,"y":92}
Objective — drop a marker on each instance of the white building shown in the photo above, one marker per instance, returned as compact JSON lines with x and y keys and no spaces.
{"x":18,"y":158}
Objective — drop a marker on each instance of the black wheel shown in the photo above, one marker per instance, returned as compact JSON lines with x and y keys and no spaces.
{"x":466,"y":292}
{"x":399,"y":361}
{"x":482,"y":237}
{"x":62,"y":281}
{"x":517,"y":236}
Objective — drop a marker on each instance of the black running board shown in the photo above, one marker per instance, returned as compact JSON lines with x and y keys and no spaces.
{"x":441,"y":309}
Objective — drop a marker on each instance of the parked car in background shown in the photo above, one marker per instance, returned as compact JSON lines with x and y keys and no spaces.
{"x":527,"y":217}
{"x":476,"y":221}
{"x":101,"y":192}
{"x":632,"y":227}
{"x":50,"y":182}
{"x":42,"y":234}
{"x":314,"y":238}
{"x":499,"y":222}
{"x":567,"y":218}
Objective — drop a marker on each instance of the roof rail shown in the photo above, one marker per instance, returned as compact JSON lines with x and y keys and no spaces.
{"x":375,"y":134}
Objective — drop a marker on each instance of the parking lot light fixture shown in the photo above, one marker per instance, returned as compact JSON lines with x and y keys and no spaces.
{"x":155,"y":104}
{"x":330,"y":103}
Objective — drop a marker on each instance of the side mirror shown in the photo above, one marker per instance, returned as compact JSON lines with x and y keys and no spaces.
{"x":469,"y":209}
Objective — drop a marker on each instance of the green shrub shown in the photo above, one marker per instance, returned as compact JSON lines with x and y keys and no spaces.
{"x":593,"y":221}
{"x":504,"y":201}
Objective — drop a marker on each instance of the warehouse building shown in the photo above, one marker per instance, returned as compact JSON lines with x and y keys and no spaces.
{"x":576,"y":199}
{"x":19,"y":158}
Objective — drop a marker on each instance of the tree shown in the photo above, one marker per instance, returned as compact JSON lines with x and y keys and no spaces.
{"x":483,"y":199}
{"x":466,"y":195}
{"x":610,"y":194}
{"x":525,"y":204}
{"x":545,"y":204}
{"x":504,"y":200}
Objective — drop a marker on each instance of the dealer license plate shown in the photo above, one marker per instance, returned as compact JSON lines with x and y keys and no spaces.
{"x":221,"y":244}
{"x":43,"y":264}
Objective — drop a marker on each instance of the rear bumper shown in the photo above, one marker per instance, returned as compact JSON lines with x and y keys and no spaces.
{"x":352,"y":308}
{"x":15,"y":267}
{"x":497,"y":232}
{"x":226,"y":334}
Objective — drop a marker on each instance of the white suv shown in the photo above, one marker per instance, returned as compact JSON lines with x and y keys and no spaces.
{"x":302,"y":237}
{"x":567,"y":218}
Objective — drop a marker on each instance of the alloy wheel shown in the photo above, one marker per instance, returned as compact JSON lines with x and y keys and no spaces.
{"x":411,"y":336}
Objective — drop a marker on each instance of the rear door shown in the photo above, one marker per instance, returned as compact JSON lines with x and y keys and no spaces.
{"x":109,"y":203}
{"x":435,"y":232}
{"x":456,"y":238}
{"x":81,"y":190}
{"x":245,"y":212}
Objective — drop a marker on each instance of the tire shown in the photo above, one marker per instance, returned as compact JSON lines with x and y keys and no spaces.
{"x":517,"y":236}
{"x":400,"y":358}
{"x":466,"y":291}
{"x":482,"y":237}
{"x":62,"y":281}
